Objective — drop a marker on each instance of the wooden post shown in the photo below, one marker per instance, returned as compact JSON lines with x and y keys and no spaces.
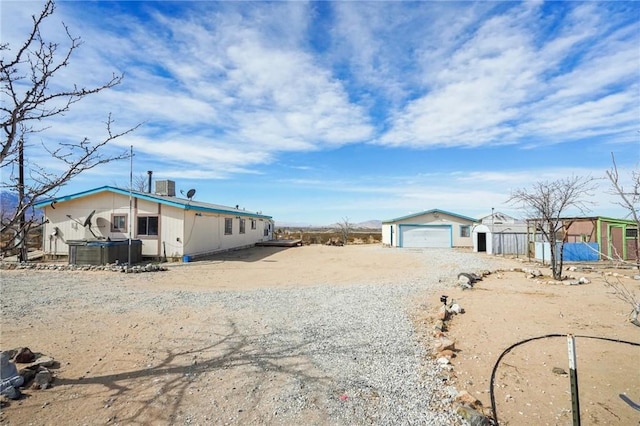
{"x":573,"y":375}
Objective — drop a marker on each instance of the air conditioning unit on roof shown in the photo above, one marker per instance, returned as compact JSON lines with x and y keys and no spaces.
{"x":166,"y":187}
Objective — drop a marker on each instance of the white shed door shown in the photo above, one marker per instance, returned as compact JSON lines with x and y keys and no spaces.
{"x":425,"y":236}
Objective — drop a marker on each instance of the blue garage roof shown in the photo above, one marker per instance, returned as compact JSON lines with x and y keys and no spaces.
{"x":429,"y":212}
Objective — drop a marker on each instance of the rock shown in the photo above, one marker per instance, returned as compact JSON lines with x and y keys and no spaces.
{"x":532,"y":273}
{"x":572,"y":269}
{"x":447,"y":353}
{"x":10,"y":380}
{"x":584,"y":280}
{"x":455,"y":308}
{"x":466,"y":398}
{"x":43,"y":379}
{"x":12,"y":393}
{"x":636,"y":277}
{"x":442,"y":313}
{"x":464,"y":280}
{"x":468,"y":278}
{"x":472,"y":416}
{"x":25,"y":356}
{"x":29,"y":373}
{"x":443,"y":360}
{"x":558,"y":370}
{"x":440,"y":326}
{"x":46,"y":361}
{"x":444,"y":343}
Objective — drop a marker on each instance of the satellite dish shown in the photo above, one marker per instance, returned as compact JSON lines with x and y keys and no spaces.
{"x":191,"y":193}
{"x":87,"y":221}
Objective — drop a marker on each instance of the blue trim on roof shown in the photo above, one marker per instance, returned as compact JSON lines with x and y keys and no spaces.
{"x":169,"y":201}
{"x":429,"y":212}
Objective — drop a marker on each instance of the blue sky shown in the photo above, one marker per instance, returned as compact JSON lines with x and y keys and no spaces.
{"x":314,"y":112}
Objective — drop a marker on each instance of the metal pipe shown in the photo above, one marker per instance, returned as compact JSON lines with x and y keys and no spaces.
{"x":150,"y":173}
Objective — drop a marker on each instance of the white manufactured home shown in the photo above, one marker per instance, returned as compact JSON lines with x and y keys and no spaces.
{"x":167,"y":226}
{"x":432,"y":228}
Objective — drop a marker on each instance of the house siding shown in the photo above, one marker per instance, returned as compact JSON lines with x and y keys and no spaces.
{"x":181,"y":231}
{"x":391,"y":229}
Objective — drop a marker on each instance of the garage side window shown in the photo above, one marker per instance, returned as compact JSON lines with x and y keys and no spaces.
{"x":465,"y":231}
{"x":253,"y":224}
{"x":228,"y":226}
{"x":147,"y":225}
{"x":119,"y":223}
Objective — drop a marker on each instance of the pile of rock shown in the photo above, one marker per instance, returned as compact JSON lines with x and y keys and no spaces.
{"x":115,"y":267}
{"x":466,"y":406}
{"x":34,"y":372}
{"x":466,"y":280}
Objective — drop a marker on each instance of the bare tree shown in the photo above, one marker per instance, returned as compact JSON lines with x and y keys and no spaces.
{"x":344,"y":228}
{"x":546,"y":202}
{"x":629,"y":199}
{"x":627,"y":296}
{"x":139,"y":183}
{"x":27,"y":78}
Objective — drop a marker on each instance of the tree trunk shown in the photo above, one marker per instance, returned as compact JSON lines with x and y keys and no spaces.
{"x":22,"y":234}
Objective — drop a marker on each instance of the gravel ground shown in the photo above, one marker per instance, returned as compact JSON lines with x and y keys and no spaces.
{"x":368,"y":366}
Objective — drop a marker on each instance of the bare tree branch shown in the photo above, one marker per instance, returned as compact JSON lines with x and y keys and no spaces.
{"x":28,"y":100}
{"x":629,"y":199}
{"x":546,"y":203}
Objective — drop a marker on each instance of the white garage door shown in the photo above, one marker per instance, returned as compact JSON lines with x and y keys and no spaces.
{"x":425,"y":236}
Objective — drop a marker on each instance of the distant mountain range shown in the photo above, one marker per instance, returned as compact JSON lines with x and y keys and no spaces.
{"x":9,"y":203}
{"x":369,"y":224}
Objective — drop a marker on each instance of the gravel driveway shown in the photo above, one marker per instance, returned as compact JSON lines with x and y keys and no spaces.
{"x":335,"y":354}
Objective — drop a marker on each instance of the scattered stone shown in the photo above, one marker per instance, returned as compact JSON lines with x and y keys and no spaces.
{"x":25,"y":356}
{"x":444,"y":343}
{"x":10,"y":380}
{"x":443,"y":360}
{"x":468,"y":278}
{"x":636,"y":277}
{"x":532,"y":273}
{"x":440,"y":326}
{"x":447,"y":353}
{"x":466,"y":398}
{"x":464,"y":280}
{"x":443,"y":314}
{"x":472,"y":416}
{"x":584,"y":280}
{"x":115,"y":267}
{"x":43,"y":379}
{"x":559,"y":371}
{"x":455,"y":308}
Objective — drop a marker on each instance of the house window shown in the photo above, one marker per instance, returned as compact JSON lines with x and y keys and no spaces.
{"x":632,"y":233}
{"x":147,"y":225}
{"x":253,"y":224}
{"x":242,"y":226}
{"x":228,"y":226}
{"x":119,"y":223}
{"x":465,"y":231}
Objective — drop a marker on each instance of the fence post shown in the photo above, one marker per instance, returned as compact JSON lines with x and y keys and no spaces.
{"x":573,"y":375}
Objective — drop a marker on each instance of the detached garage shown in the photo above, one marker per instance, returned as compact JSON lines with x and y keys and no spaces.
{"x":430,"y":229}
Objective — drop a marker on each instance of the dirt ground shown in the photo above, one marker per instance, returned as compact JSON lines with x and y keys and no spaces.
{"x":136,"y":362}
{"x":507,"y":307}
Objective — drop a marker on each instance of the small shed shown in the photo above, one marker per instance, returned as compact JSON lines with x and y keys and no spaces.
{"x":499,"y":233}
{"x":592,"y":238}
{"x":432,"y":228}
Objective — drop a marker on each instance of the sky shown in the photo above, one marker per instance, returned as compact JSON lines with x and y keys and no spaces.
{"x":320,"y":112}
